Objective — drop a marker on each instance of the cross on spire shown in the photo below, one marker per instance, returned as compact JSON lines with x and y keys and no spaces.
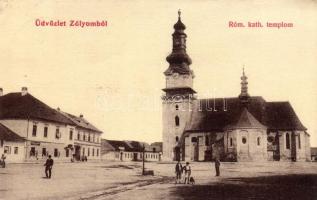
{"x":244,"y":96}
{"x":179,"y":13}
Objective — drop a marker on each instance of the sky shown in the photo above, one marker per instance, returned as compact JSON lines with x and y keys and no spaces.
{"x":114,"y":75}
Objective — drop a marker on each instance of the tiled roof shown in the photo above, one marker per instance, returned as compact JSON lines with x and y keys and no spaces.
{"x":81,"y":122}
{"x":216,"y":114}
{"x":131,"y":146}
{"x":117,"y":145}
{"x":8,"y":135}
{"x":16,"y":106}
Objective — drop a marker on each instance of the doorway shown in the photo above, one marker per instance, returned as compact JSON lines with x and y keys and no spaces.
{"x":77,"y":152}
{"x":177,"y":153}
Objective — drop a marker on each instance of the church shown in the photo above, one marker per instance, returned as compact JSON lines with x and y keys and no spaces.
{"x":241,"y":128}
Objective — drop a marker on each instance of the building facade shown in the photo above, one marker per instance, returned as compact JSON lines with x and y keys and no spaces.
{"x":115,"y":150}
{"x":87,"y":142}
{"x":45,"y":131}
{"x":242,"y":128}
{"x":11,"y":144}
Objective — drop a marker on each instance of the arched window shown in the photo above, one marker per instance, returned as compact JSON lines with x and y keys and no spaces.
{"x":244,"y":140}
{"x":259,"y":141}
{"x":176,"y":138}
{"x":299,"y":144}
{"x":287,"y":141}
{"x":176,"y":107}
{"x":176,"y":121}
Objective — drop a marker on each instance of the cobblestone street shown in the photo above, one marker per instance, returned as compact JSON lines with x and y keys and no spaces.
{"x":122,"y":180}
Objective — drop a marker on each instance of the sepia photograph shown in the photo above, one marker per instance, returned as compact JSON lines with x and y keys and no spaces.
{"x":173,"y":100}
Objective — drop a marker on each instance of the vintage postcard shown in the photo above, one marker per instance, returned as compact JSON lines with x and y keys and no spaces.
{"x":158,"y":99}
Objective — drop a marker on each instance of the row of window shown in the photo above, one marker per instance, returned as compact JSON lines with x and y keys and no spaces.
{"x":58,"y":134}
{"x":87,"y":137}
{"x":93,"y":152}
{"x":288,"y":141}
{"x":207,"y":140}
{"x":130,"y":155}
{"x":152,"y":156}
{"x":56,"y":153}
{"x":7,"y":150}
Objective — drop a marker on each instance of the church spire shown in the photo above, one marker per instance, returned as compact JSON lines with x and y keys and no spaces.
{"x":178,"y":60}
{"x":244,"y":96}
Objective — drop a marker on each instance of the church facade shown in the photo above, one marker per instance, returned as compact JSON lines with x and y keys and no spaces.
{"x":242,"y":128}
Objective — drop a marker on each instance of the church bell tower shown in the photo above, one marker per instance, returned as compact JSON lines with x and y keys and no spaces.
{"x":178,"y":97}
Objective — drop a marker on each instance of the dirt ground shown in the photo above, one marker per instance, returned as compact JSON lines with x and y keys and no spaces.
{"x":123,"y":180}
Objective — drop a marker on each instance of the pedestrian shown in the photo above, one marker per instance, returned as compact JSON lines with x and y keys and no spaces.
{"x":3,"y":158}
{"x":188,"y":171}
{"x":178,"y":172}
{"x":217,"y":166}
{"x":48,"y":167}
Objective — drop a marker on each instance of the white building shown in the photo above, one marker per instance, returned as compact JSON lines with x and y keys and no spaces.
{"x":46,"y":131}
{"x":115,"y":150}
{"x":11,"y":144}
{"x":87,"y":138}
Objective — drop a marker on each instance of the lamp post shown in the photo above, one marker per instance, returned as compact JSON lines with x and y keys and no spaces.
{"x":143,"y":160}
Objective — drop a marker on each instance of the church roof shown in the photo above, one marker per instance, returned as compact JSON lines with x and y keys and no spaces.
{"x":216,"y":114}
{"x":8,"y":135}
{"x":245,"y":120}
{"x":18,"y":106}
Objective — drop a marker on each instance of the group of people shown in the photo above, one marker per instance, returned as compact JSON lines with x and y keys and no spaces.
{"x":179,"y":170}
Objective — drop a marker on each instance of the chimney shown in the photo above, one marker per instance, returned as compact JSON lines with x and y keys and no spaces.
{"x":24,"y":91}
{"x":81,"y":115}
{"x":1,"y":92}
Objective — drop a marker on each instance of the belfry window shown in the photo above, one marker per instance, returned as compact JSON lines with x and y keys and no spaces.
{"x":287,"y":141}
{"x":176,"y":138}
{"x":176,"y":107}
{"x":230,"y":142}
{"x":176,"y":121}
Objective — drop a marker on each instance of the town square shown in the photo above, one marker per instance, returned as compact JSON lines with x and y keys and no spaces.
{"x":123,"y":180}
{"x":158,"y":100}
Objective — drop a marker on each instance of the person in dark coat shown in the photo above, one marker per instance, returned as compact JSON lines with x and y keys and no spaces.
{"x":217,"y":166}
{"x":48,"y":167}
{"x":178,"y":172}
{"x":3,"y":158}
